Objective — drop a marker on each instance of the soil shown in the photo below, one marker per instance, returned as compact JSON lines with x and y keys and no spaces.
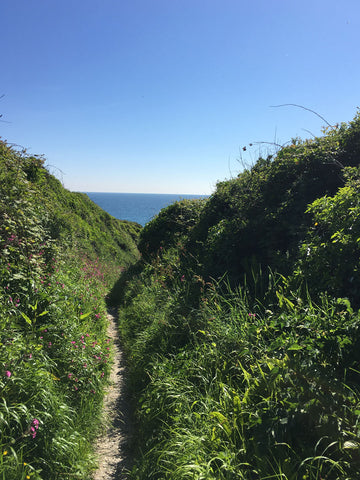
{"x":113,"y":446}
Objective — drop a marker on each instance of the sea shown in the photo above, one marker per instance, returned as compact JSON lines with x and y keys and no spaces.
{"x":136,"y":207}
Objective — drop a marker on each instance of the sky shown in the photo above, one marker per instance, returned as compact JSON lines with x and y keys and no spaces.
{"x":161,"y":96}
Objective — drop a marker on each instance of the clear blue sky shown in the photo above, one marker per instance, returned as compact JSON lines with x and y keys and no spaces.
{"x":160,"y":96}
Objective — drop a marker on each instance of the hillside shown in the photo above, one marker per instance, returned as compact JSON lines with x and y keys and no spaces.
{"x":59,"y":256}
{"x":241,"y":322}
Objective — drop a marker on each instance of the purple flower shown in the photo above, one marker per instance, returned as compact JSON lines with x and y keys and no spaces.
{"x":8,"y":373}
{"x":33,"y":428}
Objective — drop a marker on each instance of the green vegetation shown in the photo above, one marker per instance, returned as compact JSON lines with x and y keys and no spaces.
{"x":240,"y":320}
{"x":59,"y":256}
{"x":241,"y":323}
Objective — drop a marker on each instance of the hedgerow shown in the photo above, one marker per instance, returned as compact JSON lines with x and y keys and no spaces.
{"x":241,"y":326}
{"x":54,"y":351}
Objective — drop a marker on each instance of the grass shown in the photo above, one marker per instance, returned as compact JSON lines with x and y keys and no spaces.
{"x":239,"y":322}
{"x":55,"y":355}
{"x":251,"y":394}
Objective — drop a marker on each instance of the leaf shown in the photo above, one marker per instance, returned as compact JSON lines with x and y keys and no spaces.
{"x":84,"y":315}
{"x":26,"y":318}
{"x":295,"y":346}
{"x":351,"y":444}
{"x":223,"y":422}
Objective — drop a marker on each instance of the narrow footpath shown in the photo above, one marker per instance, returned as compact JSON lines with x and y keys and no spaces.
{"x":113,"y":447}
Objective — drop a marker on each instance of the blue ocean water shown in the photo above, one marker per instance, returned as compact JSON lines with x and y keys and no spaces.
{"x":136,"y":207}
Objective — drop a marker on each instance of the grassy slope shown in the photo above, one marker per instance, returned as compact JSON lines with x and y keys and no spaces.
{"x":59,"y":256}
{"x":241,"y":323}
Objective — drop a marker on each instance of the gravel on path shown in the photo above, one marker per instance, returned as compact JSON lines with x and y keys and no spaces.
{"x":113,"y":446}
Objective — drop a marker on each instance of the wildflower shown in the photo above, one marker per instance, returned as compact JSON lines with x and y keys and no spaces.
{"x":5,"y":452}
{"x":70,"y":375}
{"x":8,"y":373}
{"x":182,"y":278}
{"x":34,"y":427}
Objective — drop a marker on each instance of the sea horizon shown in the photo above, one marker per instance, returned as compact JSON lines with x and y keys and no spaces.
{"x":137,"y":207}
{"x":147,"y":193}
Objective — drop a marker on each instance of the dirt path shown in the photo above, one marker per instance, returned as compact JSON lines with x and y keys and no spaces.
{"x":113,"y":446}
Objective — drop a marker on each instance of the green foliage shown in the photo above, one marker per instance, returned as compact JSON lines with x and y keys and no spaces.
{"x":170,"y":226}
{"x":232,"y":391}
{"x":54,"y":353}
{"x":253,"y":376}
{"x":259,"y":217}
{"x":330,"y":252}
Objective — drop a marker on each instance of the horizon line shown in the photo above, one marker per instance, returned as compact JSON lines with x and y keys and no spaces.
{"x":146,"y":193}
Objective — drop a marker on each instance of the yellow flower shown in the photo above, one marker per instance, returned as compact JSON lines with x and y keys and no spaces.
{"x":5,"y":452}
{"x":27,"y":477}
{"x":25,"y":464}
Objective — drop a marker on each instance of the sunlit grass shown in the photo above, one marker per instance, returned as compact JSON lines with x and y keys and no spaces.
{"x":54,"y":351}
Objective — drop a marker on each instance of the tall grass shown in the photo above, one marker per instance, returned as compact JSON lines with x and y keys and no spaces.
{"x":239,"y":387}
{"x":54,"y":351}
